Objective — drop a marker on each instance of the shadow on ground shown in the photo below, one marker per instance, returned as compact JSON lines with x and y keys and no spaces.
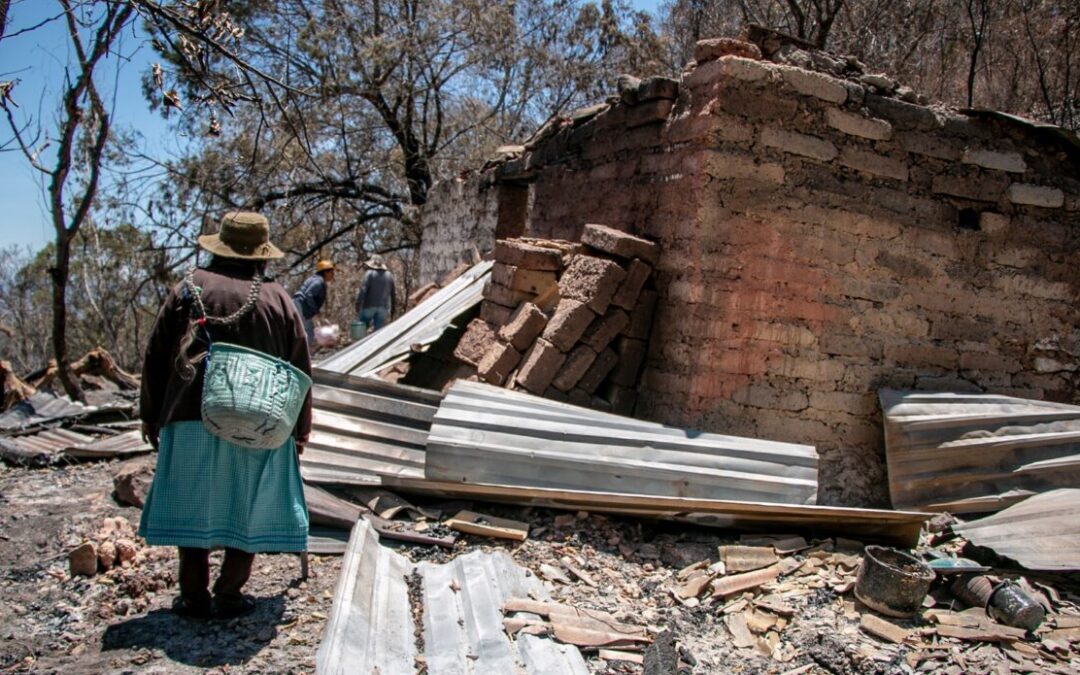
{"x":204,"y":644}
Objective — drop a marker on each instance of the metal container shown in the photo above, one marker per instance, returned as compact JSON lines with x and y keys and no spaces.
{"x":1006,"y":602}
{"x":1010,"y":605}
{"x":892,"y":582}
{"x":357,"y":330}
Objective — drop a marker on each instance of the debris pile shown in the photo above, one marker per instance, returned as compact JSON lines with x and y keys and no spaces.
{"x":115,"y":558}
{"x":566,"y":321}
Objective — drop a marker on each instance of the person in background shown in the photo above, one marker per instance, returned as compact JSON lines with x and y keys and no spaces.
{"x":207,"y":492}
{"x":311,"y":296}
{"x":375,"y":301}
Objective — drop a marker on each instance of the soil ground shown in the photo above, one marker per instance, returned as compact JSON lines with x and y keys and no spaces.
{"x":119,"y":621}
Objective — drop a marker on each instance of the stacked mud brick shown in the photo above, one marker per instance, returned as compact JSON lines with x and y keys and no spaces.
{"x":567,"y":321}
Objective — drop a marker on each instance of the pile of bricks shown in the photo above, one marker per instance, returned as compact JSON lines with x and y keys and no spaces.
{"x":567,"y":321}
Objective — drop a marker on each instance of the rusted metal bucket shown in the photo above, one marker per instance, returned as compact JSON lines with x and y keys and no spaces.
{"x":892,"y":582}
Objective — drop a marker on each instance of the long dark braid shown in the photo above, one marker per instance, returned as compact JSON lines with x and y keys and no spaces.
{"x":185,"y":364}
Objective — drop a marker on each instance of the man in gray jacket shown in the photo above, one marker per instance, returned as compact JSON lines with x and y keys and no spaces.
{"x":375,"y":301}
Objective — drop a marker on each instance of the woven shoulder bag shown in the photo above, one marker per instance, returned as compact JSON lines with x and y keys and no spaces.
{"x":249,"y":398}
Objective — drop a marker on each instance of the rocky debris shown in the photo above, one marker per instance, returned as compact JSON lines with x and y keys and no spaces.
{"x":119,"y":620}
{"x":83,"y":560}
{"x":132,"y":479}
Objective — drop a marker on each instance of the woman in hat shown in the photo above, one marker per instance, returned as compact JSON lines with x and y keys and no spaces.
{"x":207,"y":492}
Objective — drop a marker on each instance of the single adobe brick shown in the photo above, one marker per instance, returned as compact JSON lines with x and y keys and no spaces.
{"x":641,"y":317}
{"x":636,"y":276}
{"x":622,"y":399}
{"x":579,"y":397}
{"x":475,"y":342}
{"x":507,"y":297}
{"x":631,"y":355}
{"x":568,"y":324}
{"x":592,"y":281}
{"x":521,"y":279}
{"x":511,"y":252}
{"x":540,"y":366}
{"x":498,"y":363}
{"x":602,"y":332}
{"x":524,"y":327}
{"x":554,"y":394}
{"x":600,"y":368}
{"x":620,"y":244}
{"x":577,"y":363}
{"x":496,"y":315}
{"x":713,"y":48}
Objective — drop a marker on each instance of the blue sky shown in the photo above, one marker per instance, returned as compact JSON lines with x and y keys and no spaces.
{"x":37,"y":59}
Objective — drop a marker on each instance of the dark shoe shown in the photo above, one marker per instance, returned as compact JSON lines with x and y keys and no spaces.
{"x":190,"y":610}
{"x":226,"y":607}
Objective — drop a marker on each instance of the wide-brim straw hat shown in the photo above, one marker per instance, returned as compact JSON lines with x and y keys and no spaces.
{"x":244,"y":235}
{"x":375,"y":262}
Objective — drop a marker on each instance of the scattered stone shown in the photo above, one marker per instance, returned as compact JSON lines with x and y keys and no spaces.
{"x":83,"y":560}
{"x":713,"y":48}
{"x":132,"y":479}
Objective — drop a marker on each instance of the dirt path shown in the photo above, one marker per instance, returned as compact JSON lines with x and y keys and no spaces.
{"x":119,"y":622}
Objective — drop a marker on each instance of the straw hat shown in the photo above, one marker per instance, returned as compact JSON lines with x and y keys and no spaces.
{"x":375,"y":262}
{"x":244,"y":235}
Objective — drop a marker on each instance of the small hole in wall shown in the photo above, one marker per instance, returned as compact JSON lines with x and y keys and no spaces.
{"x":968,"y":219}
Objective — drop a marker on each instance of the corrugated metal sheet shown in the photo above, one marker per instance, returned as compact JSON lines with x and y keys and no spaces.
{"x":42,"y":448}
{"x":421,"y":325}
{"x":976,"y":452}
{"x":370,"y":629}
{"x":484,"y":434}
{"x":1040,"y":533}
{"x":40,"y":408}
{"x":364,"y":428}
{"x":126,"y":444}
{"x":900,"y":528}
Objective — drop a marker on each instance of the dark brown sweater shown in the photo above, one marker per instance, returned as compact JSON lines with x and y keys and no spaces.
{"x":272,"y":326}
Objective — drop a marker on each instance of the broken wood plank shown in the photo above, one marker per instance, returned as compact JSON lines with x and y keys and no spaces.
{"x":576,"y":571}
{"x":997,"y":633}
{"x":488,"y":526}
{"x":899,"y":528}
{"x":615,"y":655}
{"x":880,"y":628}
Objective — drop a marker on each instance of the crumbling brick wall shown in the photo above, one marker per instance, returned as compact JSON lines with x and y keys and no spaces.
{"x":822,"y":238}
{"x":460,"y":218}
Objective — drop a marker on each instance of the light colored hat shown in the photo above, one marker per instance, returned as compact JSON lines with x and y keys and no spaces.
{"x":375,"y":262}
{"x":324,"y":265}
{"x":244,"y":235}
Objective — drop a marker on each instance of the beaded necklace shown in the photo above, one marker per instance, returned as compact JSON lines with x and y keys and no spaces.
{"x":202,"y":318}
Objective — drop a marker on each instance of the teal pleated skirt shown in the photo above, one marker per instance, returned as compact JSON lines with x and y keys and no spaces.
{"x":209,"y":493}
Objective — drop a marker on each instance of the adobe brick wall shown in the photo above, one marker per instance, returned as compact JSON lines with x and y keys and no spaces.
{"x":821,"y":240}
{"x":461,"y":216}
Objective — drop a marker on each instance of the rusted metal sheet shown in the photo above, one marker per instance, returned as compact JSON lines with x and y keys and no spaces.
{"x":126,"y":444}
{"x":900,"y":528}
{"x":967,"y":453}
{"x":40,"y":449}
{"x":41,"y":408}
{"x":419,"y":327}
{"x":364,"y":428}
{"x":372,"y":627}
{"x":485,"y":434}
{"x":1039,"y":533}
